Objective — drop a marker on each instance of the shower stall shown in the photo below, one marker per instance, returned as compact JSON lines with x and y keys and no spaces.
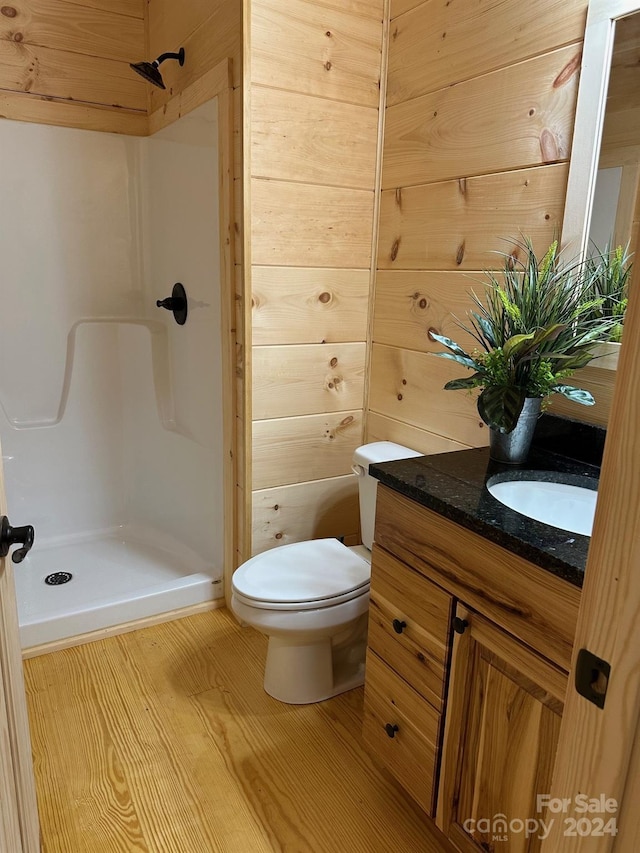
{"x":110,"y":419}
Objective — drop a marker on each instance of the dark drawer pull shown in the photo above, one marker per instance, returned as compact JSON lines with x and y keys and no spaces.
{"x":459,"y":625}
{"x":399,"y":626}
{"x":391,"y":729}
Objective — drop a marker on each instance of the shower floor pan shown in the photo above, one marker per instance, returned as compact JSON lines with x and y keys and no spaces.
{"x":118,"y":576}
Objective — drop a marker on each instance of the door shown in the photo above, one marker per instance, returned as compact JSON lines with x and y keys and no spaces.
{"x":19,"y":830}
{"x":502,"y":725}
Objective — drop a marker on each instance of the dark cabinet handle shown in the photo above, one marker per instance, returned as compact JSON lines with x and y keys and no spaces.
{"x":15,"y":536}
{"x":398,"y":626}
{"x":391,"y":729}
{"x":459,"y":625}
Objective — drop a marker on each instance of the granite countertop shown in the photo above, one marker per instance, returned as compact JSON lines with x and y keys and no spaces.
{"x":453,"y":485}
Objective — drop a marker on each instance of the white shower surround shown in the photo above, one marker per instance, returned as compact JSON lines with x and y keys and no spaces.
{"x":111,"y":424}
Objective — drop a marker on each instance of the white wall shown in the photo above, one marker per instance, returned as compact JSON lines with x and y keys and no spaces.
{"x":176,"y":480}
{"x":97,"y":428}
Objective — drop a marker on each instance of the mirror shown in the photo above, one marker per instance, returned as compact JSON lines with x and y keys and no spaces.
{"x":605,"y":160}
{"x":604,"y":174}
{"x":616,"y":189}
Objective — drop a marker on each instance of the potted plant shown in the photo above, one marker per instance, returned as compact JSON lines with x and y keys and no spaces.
{"x":534,"y":326}
{"x":609,"y":272}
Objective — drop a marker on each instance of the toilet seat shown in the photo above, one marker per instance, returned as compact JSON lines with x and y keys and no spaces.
{"x":302,"y":576}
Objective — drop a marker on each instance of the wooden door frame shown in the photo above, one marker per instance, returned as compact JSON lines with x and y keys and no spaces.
{"x":19,"y":826}
{"x":596,"y":745}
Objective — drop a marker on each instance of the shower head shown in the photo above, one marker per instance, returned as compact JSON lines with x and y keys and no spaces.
{"x":150,"y":70}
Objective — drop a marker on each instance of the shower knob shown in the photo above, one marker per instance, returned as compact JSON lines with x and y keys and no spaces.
{"x":177,"y":303}
{"x":15,"y":536}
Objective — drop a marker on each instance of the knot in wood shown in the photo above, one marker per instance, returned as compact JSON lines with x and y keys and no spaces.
{"x":549,"y":146}
{"x":572,"y":67}
{"x":324,"y":297}
{"x":8,"y":11}
{"x":394,"y":249}
{"x":333,"y":362}
{"x":420,"y":300}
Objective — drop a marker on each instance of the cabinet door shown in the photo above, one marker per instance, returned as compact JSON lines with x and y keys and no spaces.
{"x":501,"y":731}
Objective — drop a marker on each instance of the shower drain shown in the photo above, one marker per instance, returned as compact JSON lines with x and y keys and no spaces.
{"x":56,"y":578}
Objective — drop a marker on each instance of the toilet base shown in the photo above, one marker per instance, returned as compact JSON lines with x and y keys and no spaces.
{"x":311,"y":672}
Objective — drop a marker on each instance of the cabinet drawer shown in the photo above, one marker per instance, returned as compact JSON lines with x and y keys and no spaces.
{"x":411,"y":754}
{"x":418,"y":649}
{"x":524,"y":599}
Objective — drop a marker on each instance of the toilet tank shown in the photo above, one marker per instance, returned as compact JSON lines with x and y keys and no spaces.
{"x":377,"y":451}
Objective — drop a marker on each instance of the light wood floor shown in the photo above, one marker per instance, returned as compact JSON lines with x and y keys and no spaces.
{"x":163,"y":740}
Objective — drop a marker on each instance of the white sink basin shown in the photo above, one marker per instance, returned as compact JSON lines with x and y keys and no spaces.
{"x":557,"y":504}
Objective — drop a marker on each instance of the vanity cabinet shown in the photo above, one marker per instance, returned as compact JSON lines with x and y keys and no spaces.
{"x":468,"y":654}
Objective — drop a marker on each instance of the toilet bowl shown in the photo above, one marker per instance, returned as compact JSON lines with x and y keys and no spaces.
{"x":311,"y":600}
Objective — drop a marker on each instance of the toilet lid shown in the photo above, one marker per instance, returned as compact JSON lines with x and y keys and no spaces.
{"x":313,"y":573}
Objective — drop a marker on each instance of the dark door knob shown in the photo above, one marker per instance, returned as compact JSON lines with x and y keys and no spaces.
{"x":15,"y":536}
{"x":177,"y":303}
{"x":398,"y":626}
{"x":391,"y":729}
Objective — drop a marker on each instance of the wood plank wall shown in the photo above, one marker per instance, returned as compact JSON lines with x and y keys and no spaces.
{"x":67,"y":63}
{"x":313,"y":127}
{"x":478,"y":130}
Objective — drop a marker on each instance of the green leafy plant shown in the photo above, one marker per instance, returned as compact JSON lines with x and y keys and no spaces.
{"x":608,"y":273}
{"x":534,"y":326}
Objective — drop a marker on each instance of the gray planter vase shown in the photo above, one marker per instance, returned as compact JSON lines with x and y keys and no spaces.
{"x":512,"y":448}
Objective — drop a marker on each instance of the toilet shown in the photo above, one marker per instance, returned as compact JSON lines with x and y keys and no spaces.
{"x":311,"y":600}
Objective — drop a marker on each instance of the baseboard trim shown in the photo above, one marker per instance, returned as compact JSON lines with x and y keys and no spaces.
{"x":124,"y":628}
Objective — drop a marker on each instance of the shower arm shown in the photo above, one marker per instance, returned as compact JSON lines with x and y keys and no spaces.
{"x":163,"y":56}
